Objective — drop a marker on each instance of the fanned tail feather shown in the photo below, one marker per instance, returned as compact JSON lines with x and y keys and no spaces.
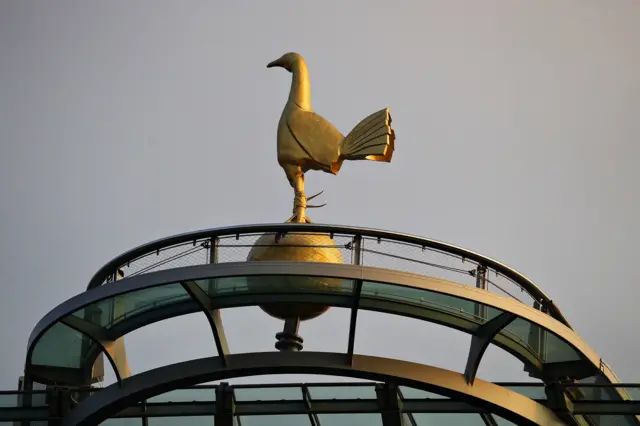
{"x":372,"y":139}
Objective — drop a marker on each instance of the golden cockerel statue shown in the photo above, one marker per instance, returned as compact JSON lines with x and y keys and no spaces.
{"x":307,"y":141}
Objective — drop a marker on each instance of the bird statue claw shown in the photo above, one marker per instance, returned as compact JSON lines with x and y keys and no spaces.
{"x":300,"y":206}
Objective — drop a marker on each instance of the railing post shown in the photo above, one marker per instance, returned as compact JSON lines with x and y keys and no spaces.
{"x":481,"y":283}
{"x":357,"y":249}
{"x":213,"y":258}
{"x":213,"y":250}
{"x":357,"y":289}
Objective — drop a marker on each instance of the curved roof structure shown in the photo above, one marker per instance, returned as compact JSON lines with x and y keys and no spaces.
{"x":496,"y":399}
{"x":207,"y":271}
{"x":386,"y":244}
{"x":106,"y":313}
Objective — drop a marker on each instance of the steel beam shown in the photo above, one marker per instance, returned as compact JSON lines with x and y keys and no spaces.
{"x":389,"y":403}
{"x":353,"y":272}
{"x":99,"y":336}
{"x":481,"y":340}
{"x":487,"y":396}
{"x":213,"y":317}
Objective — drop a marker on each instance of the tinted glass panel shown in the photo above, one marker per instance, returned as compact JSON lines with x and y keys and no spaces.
{"x":8,"y":400}
{"x":412,"y":393}
{"x":186,"y":395}
{"x":342,"y":392}
{"x":634,"y":393}
{"x":106,"y":313}
{"x":122,"y":422}
{"x":351,"y":419}
{"x":599,"y":393}
{"x":283,"y":420}
{"x":181,"y":421}
{"x":533,"y":392}
{"x":268,"y":394}
{"x":421,"y":297}
{"x":502,"y":422}
{"x":613,"y":420}
{"x":547,"y":346}
{"x":448,"y":419}
{"x":60,"y":346}
{"x":274,"y":284}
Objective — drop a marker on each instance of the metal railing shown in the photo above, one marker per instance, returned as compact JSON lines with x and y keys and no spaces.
{"x":376,"y":248}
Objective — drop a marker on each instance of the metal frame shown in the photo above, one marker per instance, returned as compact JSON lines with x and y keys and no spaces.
{"x":353,"y":272}
{"x":214,"y":234}
{"x":59,"y":403}
{"x":493,"y":398}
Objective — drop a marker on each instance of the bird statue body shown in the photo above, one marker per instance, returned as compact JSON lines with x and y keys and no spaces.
{"x":307,"y":141}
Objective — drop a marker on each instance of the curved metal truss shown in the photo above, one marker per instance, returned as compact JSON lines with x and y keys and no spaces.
{"x":376,"y":248}
{"x":488,"y":317}
{"x":488,"y":396}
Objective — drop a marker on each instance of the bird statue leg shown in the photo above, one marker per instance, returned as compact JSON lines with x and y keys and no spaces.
{"x":299,"y":200}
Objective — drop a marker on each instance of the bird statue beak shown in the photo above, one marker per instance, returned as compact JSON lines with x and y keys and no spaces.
{"x":275,"y":63}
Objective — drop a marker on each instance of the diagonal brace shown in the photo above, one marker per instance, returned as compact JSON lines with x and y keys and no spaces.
{"x":213,"y":317}
{"x":480,"y":341}
{"x":100,"y":336}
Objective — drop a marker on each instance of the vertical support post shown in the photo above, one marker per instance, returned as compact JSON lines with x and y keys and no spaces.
{"x":357,"y":250}
{"x":357,"y":290}
{"x":213,"y":258}
{"x":389,"y":404}
{"x":481,"y":283}
{"x":225,"y":406}
{"x":25,"y":399}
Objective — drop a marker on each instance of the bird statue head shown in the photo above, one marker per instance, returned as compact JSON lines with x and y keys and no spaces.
{"x":286,"y":61}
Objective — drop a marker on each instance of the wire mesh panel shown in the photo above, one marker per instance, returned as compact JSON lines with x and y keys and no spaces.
{"x":389,"y":253}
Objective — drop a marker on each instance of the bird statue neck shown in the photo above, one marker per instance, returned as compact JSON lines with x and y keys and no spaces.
{"x":300,"y":92}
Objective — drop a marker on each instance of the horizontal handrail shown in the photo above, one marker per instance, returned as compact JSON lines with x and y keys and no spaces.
{"x":155,"y":247}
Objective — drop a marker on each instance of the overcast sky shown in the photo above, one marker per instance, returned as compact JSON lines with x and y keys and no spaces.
{"x":517,"y":136}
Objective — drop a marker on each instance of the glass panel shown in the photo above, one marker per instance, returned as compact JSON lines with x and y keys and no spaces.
{"x":60,"y":346}
{"x":413,"y":393}
{"x":612,"y":420}
{"x":342,"y":392}
{"x":186,"y":395}
{"x":268,"y":394}
{"x":429,"y":299}
{"x":136,"y":421}
{"x":530,"y":391}
{"x":282,"y":420}
{"x":606,"y":393}
{"x":182,"y":421}
{"x":8,"y":400}
{"x":547,"y":346}
{"x":634,"y":393}
{"x":502,"y":422}
{"x":39,"y":399}
{"x":556,"y":349}
{"x":351,"y":419}
{"x":448,"y":419}
{"x":274,"y":284}
{"x":109,"y":312}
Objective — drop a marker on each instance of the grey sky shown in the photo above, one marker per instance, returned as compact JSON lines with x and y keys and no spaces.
{"x":517,"y":126}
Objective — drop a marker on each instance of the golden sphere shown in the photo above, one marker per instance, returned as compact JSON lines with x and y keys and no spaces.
{"x":294,"y":248}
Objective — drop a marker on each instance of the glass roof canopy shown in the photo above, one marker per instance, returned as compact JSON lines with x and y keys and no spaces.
{"x":77,"y":335}
{"x":206,"y":271}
